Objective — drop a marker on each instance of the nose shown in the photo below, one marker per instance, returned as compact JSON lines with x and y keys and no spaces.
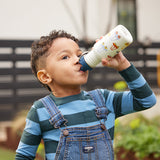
{"x":76,"y":60}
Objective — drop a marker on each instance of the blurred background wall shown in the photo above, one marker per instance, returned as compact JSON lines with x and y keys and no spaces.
{"x":23,"y":21}
{"x":29,"y":19}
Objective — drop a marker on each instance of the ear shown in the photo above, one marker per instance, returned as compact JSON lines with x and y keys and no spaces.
{"x":44,"y":77}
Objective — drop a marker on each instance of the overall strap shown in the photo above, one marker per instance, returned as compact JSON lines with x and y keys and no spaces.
{"x":101,"y":109}
{"x":57,"y":118}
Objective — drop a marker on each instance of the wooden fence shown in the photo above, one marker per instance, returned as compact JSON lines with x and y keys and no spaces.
{"x":19,"y":88}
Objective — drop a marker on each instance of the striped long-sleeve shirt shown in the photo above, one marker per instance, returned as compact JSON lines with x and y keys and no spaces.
{"x":79,"y":110}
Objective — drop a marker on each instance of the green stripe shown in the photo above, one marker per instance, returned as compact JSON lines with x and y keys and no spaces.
{"x":142,"y":92}
{"x":81,"y":118}
{"x":46,"y":126}
{"x":73,"y":119}
{"x":138,"y":106}
{"x":117,"y":101}
{"x":130,"y":74}
{"x":63,"y":100}
{"x":106,"y":93}
{"x":38,"y":104}
{"x":50,"y":146}
{"x":30,"y":139}
{"x":32,"y":115}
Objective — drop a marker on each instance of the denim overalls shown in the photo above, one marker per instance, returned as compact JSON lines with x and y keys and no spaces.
{"x":82,"y":143}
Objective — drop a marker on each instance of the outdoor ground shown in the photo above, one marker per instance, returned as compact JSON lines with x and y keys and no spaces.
{"x":6,"y":154}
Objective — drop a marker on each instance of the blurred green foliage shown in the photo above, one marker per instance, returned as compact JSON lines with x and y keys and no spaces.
{"x":140,"y":135}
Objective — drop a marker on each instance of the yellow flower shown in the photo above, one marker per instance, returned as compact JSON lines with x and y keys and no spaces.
{"x":120,"y":85}
{"x":135,"y":123}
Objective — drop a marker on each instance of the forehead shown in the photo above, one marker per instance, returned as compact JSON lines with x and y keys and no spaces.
{"x":60,"y":44}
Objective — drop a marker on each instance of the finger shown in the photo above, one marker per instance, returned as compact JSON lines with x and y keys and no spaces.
{"x":105,"y":62}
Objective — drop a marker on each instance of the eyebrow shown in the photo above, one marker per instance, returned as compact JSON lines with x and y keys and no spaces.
{"x":67,"y":50}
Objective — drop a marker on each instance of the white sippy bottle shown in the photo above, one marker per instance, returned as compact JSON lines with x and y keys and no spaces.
{"x":110,"y":45}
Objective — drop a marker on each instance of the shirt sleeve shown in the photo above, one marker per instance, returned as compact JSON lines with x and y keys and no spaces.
{"x":31,"y":137}
{"x":140,"y":96}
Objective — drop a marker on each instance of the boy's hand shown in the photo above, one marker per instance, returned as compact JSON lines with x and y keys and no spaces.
{"x":118,"y":62}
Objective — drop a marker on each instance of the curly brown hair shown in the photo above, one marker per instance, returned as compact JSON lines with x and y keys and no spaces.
{"x":40,"y":49}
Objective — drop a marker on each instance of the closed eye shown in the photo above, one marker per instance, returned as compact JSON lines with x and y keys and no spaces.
{"x":79,"y":55}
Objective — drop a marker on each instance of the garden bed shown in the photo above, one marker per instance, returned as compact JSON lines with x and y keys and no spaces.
{"x":137,"y":139}
{"x":123,"y":154}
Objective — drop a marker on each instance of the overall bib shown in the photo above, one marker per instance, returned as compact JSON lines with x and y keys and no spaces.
{"x":82,"y":143}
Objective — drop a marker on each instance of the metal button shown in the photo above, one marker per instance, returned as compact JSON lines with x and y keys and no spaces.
{"x":65,"y":132}
{"x":103,"y":126}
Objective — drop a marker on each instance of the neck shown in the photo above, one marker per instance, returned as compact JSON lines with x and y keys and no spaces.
{"x":65,"y":91}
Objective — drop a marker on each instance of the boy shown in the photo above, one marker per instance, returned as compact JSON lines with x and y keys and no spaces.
{"x":76,"y":124}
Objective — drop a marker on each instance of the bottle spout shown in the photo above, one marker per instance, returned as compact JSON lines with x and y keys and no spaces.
{"x":85,"y":66}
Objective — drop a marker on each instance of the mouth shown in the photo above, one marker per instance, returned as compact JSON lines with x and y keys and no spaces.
{"x":81,"y":70}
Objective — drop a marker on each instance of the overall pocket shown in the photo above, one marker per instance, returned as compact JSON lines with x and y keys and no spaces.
{"x":87,"y":148}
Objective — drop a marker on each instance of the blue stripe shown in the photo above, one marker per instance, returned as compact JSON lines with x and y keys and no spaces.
{"x":139,"y":82}
{"x":148,"y":101}
{"x":110,"y":121}
{"x":49,"y":135}
{"x":30,"y":125}
{"x":50,"y":156}
{"x":109,"y":102}
{"x":127,"y":103}
{"x":27,"y":150}
{"x":74,"y":107}
{"x":77,"y":107}
{"x":43,"y":114}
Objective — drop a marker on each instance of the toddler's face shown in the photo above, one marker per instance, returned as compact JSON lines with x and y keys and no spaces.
{"x":63,"y":65}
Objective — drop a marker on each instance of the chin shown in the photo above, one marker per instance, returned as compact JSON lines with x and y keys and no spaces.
{"x":80,"y":81}
{"x":83,"y":82}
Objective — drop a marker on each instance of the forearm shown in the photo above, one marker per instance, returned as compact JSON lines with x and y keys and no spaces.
{"x":143,"y":96}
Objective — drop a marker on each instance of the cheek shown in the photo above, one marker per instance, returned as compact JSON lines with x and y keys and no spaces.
{"x":55,"y":70}
{"x":61,"y":74}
